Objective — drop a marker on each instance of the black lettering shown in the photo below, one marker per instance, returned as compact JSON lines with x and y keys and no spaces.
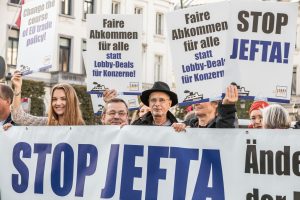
{"x":245,"y":25}
{"x":251,"y":158}
{"x":255,"y":20}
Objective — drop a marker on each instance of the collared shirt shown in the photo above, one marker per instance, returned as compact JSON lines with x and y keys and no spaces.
{"x":167,"y":123}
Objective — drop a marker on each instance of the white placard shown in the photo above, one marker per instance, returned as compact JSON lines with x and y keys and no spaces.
{"x":198,"y":37}
{"x":114,"y":58}
{"x":260,"y":54}
{"x":37,"y":36}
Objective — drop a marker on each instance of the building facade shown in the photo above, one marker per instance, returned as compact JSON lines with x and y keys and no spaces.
{"x":71,"y":41}
{"x":71,"y":38}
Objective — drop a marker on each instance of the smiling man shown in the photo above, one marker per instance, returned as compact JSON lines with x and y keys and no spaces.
{"x":159,"y":99}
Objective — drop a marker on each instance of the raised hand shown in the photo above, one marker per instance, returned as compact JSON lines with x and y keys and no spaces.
{"x":17,"y":81}
{"x":231,"y":96}
{"x":109,"y":94}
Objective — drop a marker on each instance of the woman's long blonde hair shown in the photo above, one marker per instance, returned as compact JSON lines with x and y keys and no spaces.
{"x":72,"y":115}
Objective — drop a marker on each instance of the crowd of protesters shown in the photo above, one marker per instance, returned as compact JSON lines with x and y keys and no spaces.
{"x":154,"y":110}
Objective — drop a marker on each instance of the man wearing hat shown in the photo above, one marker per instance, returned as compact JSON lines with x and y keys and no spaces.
{"x":160,"y":99}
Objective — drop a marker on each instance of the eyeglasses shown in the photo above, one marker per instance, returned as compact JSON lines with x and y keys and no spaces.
{"x":160,"y":100}
{"x":120,"y":113}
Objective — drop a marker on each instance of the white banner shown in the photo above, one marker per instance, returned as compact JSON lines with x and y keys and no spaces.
{"x":260,"y":57}
{"x":138,"y":162}
{"x":37,"y":40}
{"x":114,"y":53}
{"x":198,"y":37}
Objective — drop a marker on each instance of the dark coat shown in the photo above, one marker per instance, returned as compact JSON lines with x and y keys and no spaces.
{"x":9,"y":120}
{"x":147,"y":119}
{"x":297,"y":125}
{"x":224,"y":119}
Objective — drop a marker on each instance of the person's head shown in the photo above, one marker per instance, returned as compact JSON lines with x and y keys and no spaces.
{"x":64,"y":105}
{"x":159,"y":99}
{"x":115,"y":112}
{"x":6,"y":97}
{"x":143,"y":110}
{"x":159,"y":103}
{"x":206,"y":111}
{"x":275,"y":117}
{"x":255,"y":113}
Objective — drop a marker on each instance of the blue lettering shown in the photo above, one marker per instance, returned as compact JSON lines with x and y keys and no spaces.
{"x":210,"y":164}
{"x":250,"y":48}
{"x":235,"y":49}
{"x":243,"y":49}
{"x":183,"y":157}
{"x":276,"y":52}
{"x":21,"y":167}
{"x":110,"y":184}
{"x":83,"y":169}
{"x":154,"y":173}
{"x":253,"y":49}
{"x":66,"y":149}
{"x":42,"y":150}
{"x":265,"y":47}
{"x":129,"y":171}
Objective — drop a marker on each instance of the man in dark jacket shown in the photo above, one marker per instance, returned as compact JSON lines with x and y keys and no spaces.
{"x":6,"y":97}
{"x":160,"y":99}
{"x":214,"y":114}
{"x":218,"y":115}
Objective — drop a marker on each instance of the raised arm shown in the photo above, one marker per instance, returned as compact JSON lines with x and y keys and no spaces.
{"x":231,"y":95}
{"x":109,"y":94}
{"x":227,"y":109}
{"x":18,"y":115}
{"x":17,"y":85}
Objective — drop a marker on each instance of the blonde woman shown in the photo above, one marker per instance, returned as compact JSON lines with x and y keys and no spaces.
{"x":63,"y":109}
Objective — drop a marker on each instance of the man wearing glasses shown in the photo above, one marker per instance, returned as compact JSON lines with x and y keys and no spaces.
{"x":160,"y":99}
{"x":115,"y":112}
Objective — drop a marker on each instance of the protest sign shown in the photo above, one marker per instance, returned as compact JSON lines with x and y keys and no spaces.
{"x":37,"y":40}
{"x":109,"y":162}
{"x":262,"y":42}
{"x":198,"y":37}
{"x":98,"y":102}
{"x":114,"y":53}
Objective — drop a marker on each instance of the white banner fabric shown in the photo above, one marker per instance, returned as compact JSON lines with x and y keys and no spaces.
{"x":138,"y":162}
